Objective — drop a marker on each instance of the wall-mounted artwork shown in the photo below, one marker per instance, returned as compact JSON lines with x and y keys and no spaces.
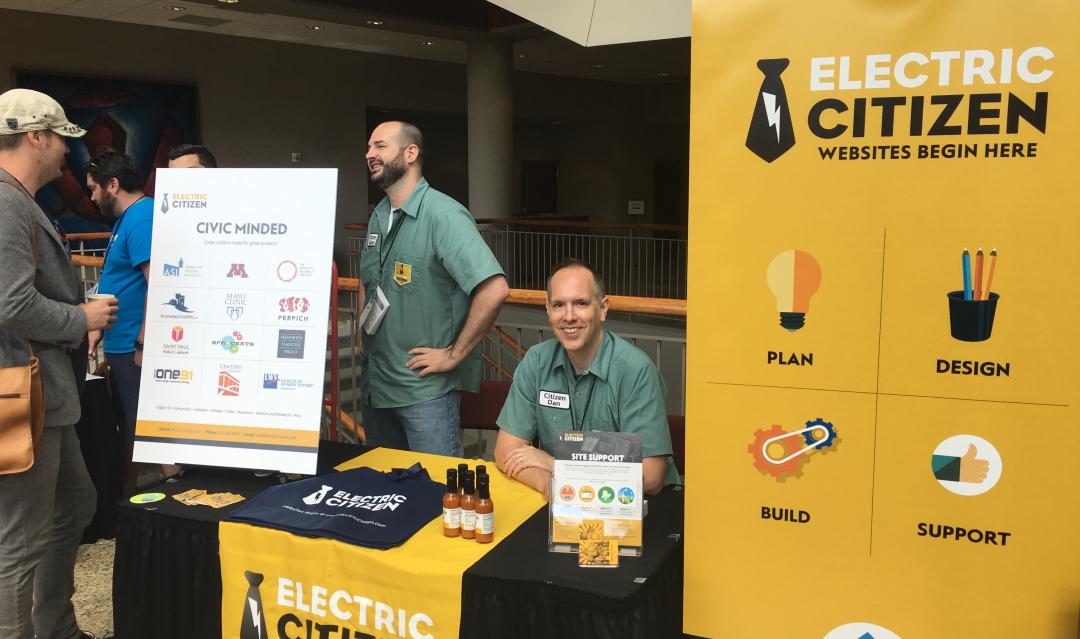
{"x":142,"y":119}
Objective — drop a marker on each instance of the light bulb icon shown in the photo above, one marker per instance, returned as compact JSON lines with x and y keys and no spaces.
{"x":793,"y":277}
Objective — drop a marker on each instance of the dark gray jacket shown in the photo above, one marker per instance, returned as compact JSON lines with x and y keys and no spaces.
{"x":42,"y":309}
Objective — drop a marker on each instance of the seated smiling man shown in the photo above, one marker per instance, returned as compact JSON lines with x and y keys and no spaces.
{"x":611,"y":385}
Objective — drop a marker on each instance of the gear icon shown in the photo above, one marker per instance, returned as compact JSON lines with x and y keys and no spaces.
{"x":815,"y":438}
{"x":767,"y":456}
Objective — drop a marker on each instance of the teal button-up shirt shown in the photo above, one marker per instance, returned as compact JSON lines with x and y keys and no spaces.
{"x":428,"y":264}
{"x":622,"y":391}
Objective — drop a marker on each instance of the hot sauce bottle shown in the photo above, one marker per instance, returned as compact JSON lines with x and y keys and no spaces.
{"x":461,"y":470}
{"x":451,"y":506}
{"x":485,"y":513}
{"x":481,"y":471}
{"x":468,"y":507}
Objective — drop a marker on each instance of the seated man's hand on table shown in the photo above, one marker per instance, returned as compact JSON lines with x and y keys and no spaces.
{"x":520,"y":460}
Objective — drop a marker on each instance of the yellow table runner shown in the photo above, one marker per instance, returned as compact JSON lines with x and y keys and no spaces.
{"x":315,"y":588}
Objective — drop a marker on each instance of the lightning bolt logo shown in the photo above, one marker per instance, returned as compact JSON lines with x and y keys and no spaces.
{"x":771,"y":134}
{"x":772,"y":111}
{"x":256,"y":616}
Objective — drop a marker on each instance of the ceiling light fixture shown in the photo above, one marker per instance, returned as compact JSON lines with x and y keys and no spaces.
{"x":663,"y":74}
{"x":374,"y":23}
{"x":428,"y":43}
{"x":316,"y":27}
{"x":173,"y":7}
{"x":598,"y":66}
{"x":228,"y":1}
{"x":522,"y":56}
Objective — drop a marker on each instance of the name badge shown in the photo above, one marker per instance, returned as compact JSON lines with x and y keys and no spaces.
{"x":554,"y":400}
{"x":372,"y":238}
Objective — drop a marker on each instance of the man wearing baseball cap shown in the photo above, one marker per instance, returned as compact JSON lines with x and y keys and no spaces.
{"x":46,"y":507}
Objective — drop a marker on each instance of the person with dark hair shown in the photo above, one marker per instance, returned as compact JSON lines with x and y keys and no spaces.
{"x":593,"y":380}
{"x":191,"y":156}
{"x":44,"y":509}
{"x":432,"y":289}
{"x":115,"y":186}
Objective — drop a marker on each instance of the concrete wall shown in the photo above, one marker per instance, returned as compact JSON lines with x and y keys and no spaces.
{"x":259,"y":101}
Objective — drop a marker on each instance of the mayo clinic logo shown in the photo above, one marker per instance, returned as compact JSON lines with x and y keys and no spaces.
{"x":235,"y":304}
{"x":771,"y":134}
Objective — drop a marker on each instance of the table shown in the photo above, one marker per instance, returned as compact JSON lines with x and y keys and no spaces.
{"x":167,"y":581}
{"x":102,"y":451}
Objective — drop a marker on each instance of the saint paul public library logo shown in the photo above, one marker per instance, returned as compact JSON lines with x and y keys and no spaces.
{"x":176,"y":345}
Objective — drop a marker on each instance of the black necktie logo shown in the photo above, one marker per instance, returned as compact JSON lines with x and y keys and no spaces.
{"x":252,"y":625}
{"x":770,"y":134}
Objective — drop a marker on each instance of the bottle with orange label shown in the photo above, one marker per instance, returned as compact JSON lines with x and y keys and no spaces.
{"x":451,"y":505}
{"x":485,"y":513}
{"x":468,"y":507}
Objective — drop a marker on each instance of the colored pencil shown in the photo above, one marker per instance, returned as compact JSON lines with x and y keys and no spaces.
{"x":990,"y":274}
{"x":978,"y":273}
{"x":966,"y":259}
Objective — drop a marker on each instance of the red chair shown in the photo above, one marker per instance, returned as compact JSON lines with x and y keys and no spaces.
{"x":677,"y":428}
{"x":481,"y":410}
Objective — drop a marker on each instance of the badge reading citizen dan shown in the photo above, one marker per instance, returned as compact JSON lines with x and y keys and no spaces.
{"x":597,"y":482}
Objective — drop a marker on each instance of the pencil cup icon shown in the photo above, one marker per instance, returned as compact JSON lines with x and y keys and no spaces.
{"x":971,"y":320}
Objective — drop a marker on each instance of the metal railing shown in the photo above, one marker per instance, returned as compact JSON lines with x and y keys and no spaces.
{"x":504,"y":347}
{"x":87,"y":260}
{"x":646,"y":260}
{"x":501,"y":349}
{"x":506,"y":343}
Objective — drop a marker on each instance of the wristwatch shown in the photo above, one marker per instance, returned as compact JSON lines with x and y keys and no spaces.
{"x":138,"y":345}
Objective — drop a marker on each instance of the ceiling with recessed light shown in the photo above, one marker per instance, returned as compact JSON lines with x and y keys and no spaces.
{"x":427,"y":29}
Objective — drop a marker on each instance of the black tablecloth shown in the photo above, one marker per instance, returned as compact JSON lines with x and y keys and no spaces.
{"x":102,"y":451}
{"x":522,"y":591}
{"x":167,"y":577}
{"x":166,"y":574}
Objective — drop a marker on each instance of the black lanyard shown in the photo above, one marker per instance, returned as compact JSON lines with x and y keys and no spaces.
{"x":391,"y":236}
{"x":579,"y":425}
{"x":116,"y":230}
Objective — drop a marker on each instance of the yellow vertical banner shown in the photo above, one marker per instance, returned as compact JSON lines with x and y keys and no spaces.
{"x":882,"y":417}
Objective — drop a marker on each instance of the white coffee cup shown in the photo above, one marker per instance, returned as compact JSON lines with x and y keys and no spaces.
{"x":101,"y":296}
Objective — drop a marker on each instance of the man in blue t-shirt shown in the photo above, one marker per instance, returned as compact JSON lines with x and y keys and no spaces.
{"x":116,"y":187}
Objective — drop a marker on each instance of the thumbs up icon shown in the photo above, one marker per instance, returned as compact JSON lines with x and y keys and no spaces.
{"x":971,"y":472}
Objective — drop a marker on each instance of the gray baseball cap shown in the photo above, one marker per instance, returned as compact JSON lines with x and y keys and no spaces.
{"x":23,"y":110}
